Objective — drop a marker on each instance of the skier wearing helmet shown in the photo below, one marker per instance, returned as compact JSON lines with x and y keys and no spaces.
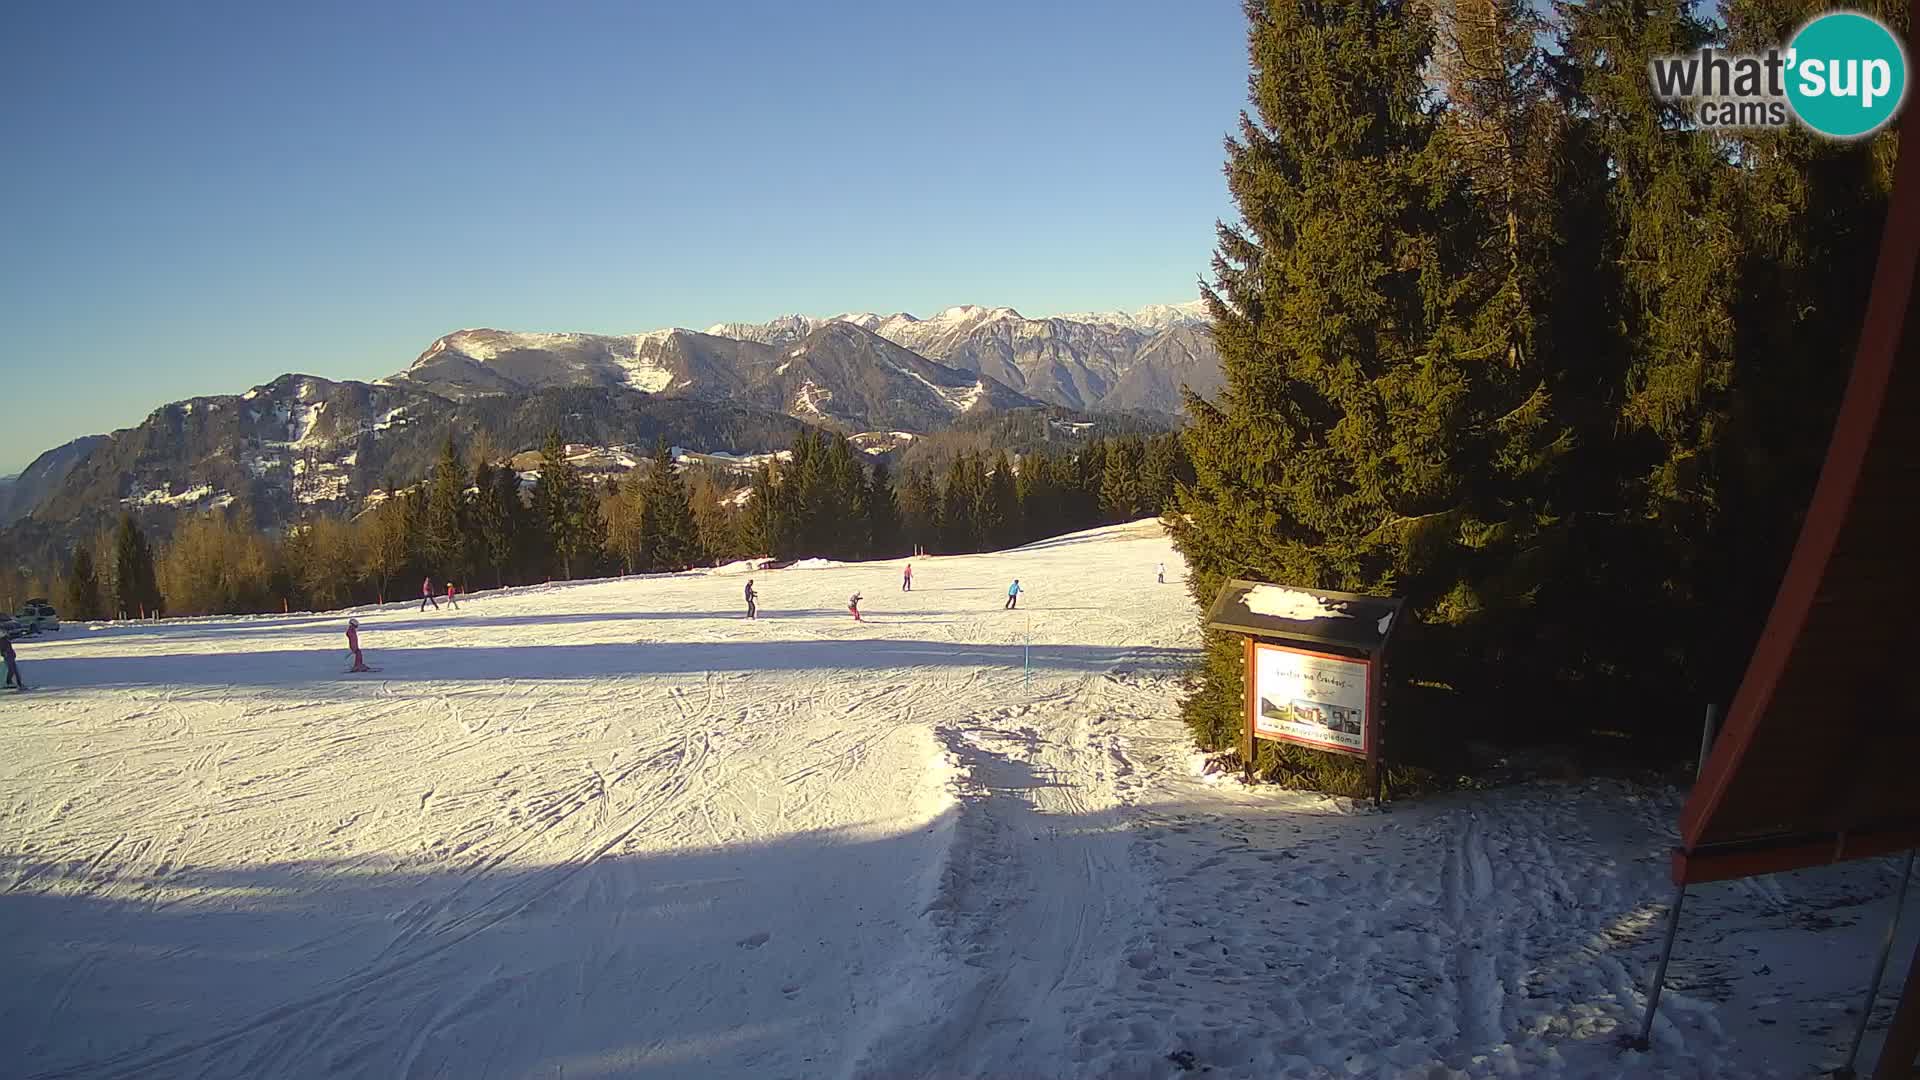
{"x":353,"y":646}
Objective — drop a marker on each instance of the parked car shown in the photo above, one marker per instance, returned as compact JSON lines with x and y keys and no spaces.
{"x":10,"y":627}
{"x":37,"y":615}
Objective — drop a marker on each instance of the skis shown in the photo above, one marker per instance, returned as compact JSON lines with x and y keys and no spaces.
{"x":362,"y":671}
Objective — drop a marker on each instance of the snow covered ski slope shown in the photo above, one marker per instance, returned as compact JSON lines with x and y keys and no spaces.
{"x":616,"y":829}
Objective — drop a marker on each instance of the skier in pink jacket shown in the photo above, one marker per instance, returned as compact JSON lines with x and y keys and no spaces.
{"x":426,"y":594}
{"x":353,"y":646}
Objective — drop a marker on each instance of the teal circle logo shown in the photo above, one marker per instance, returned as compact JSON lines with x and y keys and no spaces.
{"x":1847,"y":74}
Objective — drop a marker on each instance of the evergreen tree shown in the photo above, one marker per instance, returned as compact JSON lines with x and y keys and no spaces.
{"x":1040,"y":497}
{"x":845,"y":514}
{"x":764,"y":530}
{"x":667,"y":528}
{"x":883,"y":514}
{"x":955,"y":520}
{"x":1122,"y":486}
{"x":1000,"y":525}
{"x":447,"y":530}
{"x":567,"y":512}
{"x":136,"y":590}
{"x":920,"y":510}
{"x":83,"y":586}
{"x":806,"y":496}
{"x":1083,"y":502}
{"x":1356,"y":444}
{"x":497,"y":511}
{"x":1676,"y":245}
{"x":1164,"y":468}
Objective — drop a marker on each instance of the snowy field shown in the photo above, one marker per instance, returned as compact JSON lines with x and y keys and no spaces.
{"x":615,"y":829}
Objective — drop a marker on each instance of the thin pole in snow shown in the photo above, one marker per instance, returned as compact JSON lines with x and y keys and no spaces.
{"x":1029,"y":661}
{"x":1845,"y":1072}
{"x":1660,"y":972}
{"x":1706,"y":738}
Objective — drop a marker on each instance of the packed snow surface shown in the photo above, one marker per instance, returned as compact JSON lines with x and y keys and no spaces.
{"x":615,"y":829}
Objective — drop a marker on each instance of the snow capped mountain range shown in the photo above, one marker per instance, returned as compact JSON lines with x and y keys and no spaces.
{"x":1101,"y":361}
{"x":302,"y":442}
{"x":1134,"y":361}
{"x":1150,"y":319}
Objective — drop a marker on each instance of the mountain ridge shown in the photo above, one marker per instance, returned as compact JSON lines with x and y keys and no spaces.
{"x":302,"y":443}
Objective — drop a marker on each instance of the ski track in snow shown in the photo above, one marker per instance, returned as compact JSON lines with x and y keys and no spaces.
{"x":615,"y":829}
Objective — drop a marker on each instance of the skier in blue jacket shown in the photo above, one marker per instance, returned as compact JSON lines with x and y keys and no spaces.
{"x":1013,"y":595}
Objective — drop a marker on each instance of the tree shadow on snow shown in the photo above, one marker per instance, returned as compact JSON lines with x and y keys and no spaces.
{"x":603,"y":660}
{"x":436,"y":952}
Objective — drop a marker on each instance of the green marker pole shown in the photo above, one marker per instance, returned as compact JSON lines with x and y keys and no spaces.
{"x":1029,"y":661}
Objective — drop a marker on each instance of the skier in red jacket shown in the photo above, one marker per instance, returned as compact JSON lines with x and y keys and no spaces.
{"x":426,"y":594}
{"x":450,"y":600}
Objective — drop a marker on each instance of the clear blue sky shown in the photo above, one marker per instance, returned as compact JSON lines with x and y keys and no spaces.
{"x":196,"y":198}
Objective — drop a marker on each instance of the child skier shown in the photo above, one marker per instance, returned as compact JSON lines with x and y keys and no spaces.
{"x":1013,"y":595}
{"x":1160,"y":571}
{"x":751,"y":597}
{"x":853,"y":605}
{"x":353,"y":646}
{"x":906,"y":579}
{"x":450,"y":599}
{"x":426,"y":594}
{"x":13,"y":669}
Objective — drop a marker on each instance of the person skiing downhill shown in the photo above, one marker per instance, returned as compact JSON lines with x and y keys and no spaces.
{"x":1160,"y":571}
{"x":13,"y":668}
{"x":906,"y":579}
{"x":353,"y":646}
{"x":751,"y":597}
{"x":450,"y":599}
{"x":1013,"y":595}
{"x":426,"y":594}
{"x":853,"y":605}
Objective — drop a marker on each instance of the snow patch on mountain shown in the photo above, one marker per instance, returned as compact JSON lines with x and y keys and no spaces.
{"x":1150,"y":319}
{"x":162,"y":498}
{"x":810,"y":397}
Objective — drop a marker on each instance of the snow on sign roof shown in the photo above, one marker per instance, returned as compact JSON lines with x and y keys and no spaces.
{"x":1314,"y":615}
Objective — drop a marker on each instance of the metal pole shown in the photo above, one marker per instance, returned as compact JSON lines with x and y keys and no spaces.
{"x":1029,"y":660}
{"x":1845,"y":1072}
{"x":1706,"y":738}
{"x":1660,"y":972}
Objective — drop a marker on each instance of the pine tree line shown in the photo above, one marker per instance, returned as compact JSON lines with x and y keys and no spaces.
{"x":1507,"y":335}
{"x":473,"y":522}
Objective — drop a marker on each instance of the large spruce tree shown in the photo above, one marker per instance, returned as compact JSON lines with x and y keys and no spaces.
{"x":669,"y":536}
{"x":1368,"y":438}
{"x":566,"y":509}
{"x":1676,"y":253}
{"x":497,"y":514}
{"x":136,"y":591}
{"x":883,"y":514}
{"x":83,"y":586}
{"x":448,"y":533}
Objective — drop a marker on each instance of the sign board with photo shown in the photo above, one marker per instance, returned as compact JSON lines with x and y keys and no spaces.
{"x":1312,"y":698}
{"x":1314,"y":662}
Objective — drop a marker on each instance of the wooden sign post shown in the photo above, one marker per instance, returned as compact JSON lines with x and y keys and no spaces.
{"x":1313,"y":667}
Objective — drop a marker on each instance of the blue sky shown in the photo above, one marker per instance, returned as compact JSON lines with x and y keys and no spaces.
{"x":196,"y":198}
